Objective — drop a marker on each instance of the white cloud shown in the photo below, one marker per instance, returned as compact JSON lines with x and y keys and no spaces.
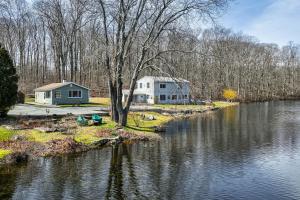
{"x":278,"y":23}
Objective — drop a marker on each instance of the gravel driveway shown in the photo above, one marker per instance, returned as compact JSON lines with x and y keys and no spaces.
{"x":32,"y":110}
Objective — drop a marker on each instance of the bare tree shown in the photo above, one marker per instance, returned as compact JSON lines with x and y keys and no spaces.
{"x":100,"y":41}
{"x":138,"y":24}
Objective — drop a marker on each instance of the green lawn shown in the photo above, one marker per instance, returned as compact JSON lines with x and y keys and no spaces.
{"x":146,"y":125}
{"x":5,"y":134}
{"x":90,"y":134}
{"x":180,"y":107}
{"x":4,"y":152}
{"x":218,"y":104}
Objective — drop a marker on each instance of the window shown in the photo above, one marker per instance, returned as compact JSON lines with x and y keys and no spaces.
{"x":185,"y":96}
{"x":169,"y":97}
{"x":75,"y":94}
{"x":174,"y":97}
{"x":162,"y":85}
{"x":148,"y":85}
{"x":141,"y":85}
{"x":47,"y":95}
{"x":57,"y":94}
{"x":147,"y":96}
{"x":162,"y":97}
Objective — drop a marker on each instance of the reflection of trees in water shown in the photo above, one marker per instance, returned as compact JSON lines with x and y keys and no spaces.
{"x":115,"y":185}
{"x":8,"y":177}
{"x":233,"y":133}
{"x":193,"y":155}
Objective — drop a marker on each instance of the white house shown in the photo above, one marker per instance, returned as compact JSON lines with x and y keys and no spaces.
{"x":161,"y":90}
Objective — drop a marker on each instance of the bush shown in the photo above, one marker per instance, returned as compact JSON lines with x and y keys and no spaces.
{"x":229,"y":94}
{"x":8,"y":83}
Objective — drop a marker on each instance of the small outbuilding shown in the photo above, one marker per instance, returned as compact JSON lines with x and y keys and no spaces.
{"x":62,"y":93}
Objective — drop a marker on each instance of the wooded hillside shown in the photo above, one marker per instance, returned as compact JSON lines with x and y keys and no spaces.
{"x":52,"y":40}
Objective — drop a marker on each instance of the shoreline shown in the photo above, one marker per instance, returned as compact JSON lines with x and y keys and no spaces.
{"x":29,"y":144}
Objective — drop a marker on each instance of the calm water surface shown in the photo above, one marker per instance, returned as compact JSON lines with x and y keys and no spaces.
{"x":246,"y":152}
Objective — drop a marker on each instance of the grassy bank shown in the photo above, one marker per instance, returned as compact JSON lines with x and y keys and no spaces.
{"x":93,"y":101}
{"x":140,"y":126}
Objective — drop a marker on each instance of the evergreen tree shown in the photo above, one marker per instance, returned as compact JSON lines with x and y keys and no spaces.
{"x":8,"y":82}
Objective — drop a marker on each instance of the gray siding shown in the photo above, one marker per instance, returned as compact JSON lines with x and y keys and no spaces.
{"x":170,"y":90}
{"x":64,"y":99}
{"x":65,"y":95}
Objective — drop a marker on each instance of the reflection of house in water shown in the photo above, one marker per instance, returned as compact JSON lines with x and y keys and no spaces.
{"x":163,"y":90}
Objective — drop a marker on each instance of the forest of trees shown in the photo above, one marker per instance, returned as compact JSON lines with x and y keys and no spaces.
{"x":53,"y":40}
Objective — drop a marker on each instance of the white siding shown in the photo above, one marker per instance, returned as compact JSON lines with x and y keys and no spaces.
{"x":153,"y":92}
{"x":40,"y":98}
{"x":148,"y":92}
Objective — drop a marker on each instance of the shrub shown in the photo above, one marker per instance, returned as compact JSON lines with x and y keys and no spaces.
{"x":8,"y":83}
{"x":229,"y":94}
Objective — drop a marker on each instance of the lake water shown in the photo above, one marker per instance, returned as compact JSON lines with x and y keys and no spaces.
{"x":251,"y":151}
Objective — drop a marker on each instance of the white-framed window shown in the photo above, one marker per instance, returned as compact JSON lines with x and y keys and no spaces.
{"x":148,"y":85}
{"x":141,"y":85}
{"x":174,"y":97}
{"x":162,"y":85}
{"x":162,"y":97}
{"x":57,"y":94}
{"x":75,"y":94}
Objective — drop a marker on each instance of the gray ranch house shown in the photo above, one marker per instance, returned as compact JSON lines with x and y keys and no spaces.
{"x":160,"y":90}
{"x":62,"y":93}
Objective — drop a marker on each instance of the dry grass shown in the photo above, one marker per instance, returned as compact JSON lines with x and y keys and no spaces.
{"x":100,"y":100}
{"x":223,"y":104}
{"x":29,"y":100}
{"x":38,"y":136}
{"x":181,"y":107}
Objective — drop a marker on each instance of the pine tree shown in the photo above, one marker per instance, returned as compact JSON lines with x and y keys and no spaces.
{"x":8,"y":82}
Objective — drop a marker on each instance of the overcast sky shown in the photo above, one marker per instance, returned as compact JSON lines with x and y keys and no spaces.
{"x":271,"y":21}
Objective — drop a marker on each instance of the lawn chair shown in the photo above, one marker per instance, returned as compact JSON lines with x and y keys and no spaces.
{"x":97,"y":120}
{"x":82,"y":121}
